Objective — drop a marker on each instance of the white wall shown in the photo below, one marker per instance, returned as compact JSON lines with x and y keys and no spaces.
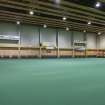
{"x":64,"y":39}
{"x":102,"y":41}
{"x":91,"y":41}
{"x":48,"y":35}
{"x":78,"y":36}
{"x":29,"y":35}
{"x":8,"y":29}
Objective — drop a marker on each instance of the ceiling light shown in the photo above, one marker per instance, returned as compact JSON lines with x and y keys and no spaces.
{"x":57,"y":1}
{"x":67,"y":28}
{"x":45,"y":26}
{"x":18,"y":22}
{"x":99,"y":33}
{"x":84,"y":31}
{"x":89,"y":22}
{"x":98,"y":4}
{"x":31,"y":12}
{"x":64,"y":18}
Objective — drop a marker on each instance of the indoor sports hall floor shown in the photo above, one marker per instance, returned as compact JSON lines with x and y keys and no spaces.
{"x":52,"y":81}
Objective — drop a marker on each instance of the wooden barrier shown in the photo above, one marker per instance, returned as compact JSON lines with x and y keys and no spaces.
{"x":48,"y":52}
{"x":100,"y":53}
{"x":29,"y":52}
{"x":91,"y":52}
{"x":16,"y":51}
{"x":9,"y":52}
{"x":79,"y":54}
{"x":65,"y":52}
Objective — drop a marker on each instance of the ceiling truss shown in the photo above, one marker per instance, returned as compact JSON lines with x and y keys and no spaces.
{"x":47,"y":12}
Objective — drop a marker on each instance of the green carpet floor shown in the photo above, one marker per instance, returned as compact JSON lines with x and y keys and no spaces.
{"x":52,"y":81}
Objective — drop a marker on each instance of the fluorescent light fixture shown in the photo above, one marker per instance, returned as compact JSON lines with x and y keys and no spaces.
{"x":45,"y":26}
{"x":67,"y":28}
{"x":64,"y":18}
{"x":98,"y":4}
{"x":18,"y":22}
{"x":31,"y":12}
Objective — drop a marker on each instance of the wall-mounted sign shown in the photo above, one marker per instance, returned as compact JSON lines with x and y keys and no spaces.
{"x":10,"y":37}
